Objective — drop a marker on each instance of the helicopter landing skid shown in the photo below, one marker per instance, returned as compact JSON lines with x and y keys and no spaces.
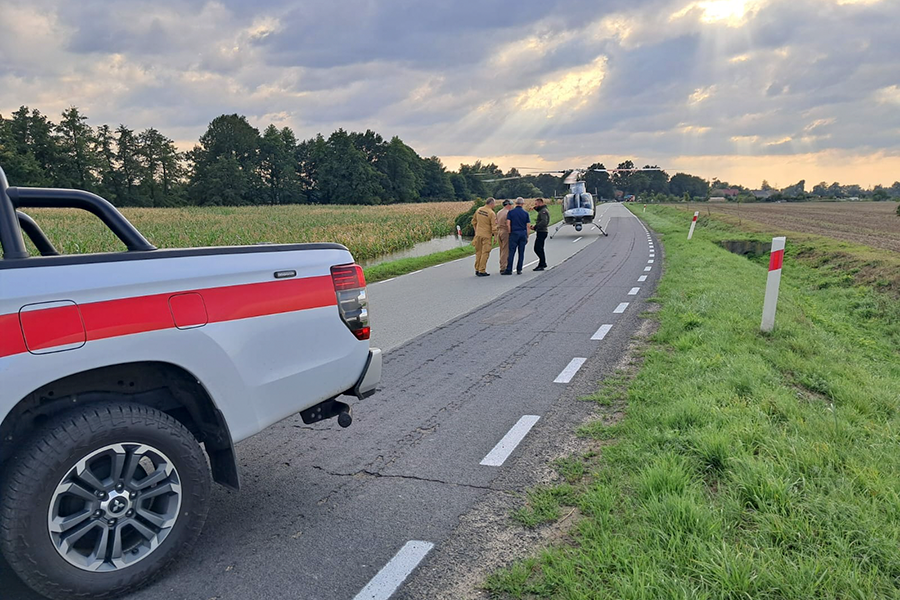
{"x":603,"y":231}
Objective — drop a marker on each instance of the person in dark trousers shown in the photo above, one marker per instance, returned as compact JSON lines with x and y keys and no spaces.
{"x":540,"y":229}
{"x":518,"y":236}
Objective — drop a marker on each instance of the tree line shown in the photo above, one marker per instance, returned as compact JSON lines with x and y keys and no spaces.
{"x":234,"y":164}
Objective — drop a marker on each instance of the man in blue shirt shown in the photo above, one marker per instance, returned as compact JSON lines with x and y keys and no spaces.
{"x":518,"y":236}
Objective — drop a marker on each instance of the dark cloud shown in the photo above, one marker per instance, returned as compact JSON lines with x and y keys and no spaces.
{"x":495,"y":78}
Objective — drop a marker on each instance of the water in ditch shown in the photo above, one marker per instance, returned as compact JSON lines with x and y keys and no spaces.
{"x":439,"y":244}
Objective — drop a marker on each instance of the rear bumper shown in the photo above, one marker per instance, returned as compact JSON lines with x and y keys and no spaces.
{"x":371,"y":375}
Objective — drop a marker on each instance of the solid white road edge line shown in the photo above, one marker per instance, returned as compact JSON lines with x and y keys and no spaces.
{"x":569,"y":372}
{"x":534,"y":262}
{"x":621,"y":308}
{"x":498,"y":455}
{"x":633,"y":291}
{"x":642,"y":278}
{"x":601,"y":333}
{"x":389,"y":578}
{"x":419,"y":271}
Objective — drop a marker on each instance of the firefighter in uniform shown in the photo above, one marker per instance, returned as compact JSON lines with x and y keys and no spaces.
{"x":485,"y":229}
{"x":503,"y":233}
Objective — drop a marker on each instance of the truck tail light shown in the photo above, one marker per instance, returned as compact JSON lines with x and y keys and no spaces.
{"x":350,"y":288}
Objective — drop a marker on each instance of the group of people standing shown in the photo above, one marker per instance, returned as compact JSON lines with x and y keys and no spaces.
{"x":510,"y":226}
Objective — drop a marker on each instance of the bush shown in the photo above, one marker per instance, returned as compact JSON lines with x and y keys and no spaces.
{"x":464,"y":220}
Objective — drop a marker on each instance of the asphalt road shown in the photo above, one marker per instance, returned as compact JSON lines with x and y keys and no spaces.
{"x":329,"y":513}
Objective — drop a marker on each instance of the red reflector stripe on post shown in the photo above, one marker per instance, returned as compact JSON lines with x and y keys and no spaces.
{"x":776,"y":259}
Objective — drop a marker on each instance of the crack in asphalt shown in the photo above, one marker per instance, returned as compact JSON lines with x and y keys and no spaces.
{"x":367,"y":473}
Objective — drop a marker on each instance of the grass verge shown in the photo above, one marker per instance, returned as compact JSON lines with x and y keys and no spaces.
{"x":403,"y":266}
{"x":395,"y":268}
{"x":747,"y":465}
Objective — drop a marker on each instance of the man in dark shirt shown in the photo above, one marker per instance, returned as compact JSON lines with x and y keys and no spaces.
{"x":518,"y":236}
{"x":540,"y":228}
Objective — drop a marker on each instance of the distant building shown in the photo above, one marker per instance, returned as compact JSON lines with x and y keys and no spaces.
{"x":717,"y":198}
{"x":761,"y":194}
{"x":729,"y":192}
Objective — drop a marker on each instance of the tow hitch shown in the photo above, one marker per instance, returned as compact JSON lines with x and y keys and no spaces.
{"x":327,"y":410}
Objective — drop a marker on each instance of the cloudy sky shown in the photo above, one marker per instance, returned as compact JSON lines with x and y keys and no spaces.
{"x":736,"y":89}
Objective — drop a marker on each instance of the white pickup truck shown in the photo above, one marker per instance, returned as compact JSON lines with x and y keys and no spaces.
{"x":127,"y":377}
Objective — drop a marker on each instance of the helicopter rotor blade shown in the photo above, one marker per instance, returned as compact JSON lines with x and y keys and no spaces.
{"x":501,"y":179}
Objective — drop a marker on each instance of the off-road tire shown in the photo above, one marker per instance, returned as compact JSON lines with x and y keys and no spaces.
{"x":31,"y":475}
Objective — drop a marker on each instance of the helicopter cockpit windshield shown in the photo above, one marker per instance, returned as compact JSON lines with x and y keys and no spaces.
{"x":582,"y":200}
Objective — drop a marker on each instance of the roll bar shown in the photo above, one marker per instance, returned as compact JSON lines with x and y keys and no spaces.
{"x":12,"y":222}
{"x":37,"y":237}
{"x":10,"y":234}
{"x":62,"y":198}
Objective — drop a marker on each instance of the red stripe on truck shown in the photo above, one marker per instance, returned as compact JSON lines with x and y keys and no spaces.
{"x":127,"y":316}
{"x":52,"y":327}
{"x":11,"y":339}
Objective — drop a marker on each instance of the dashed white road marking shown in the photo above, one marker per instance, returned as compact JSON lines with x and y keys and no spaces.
{"x":642,"y":278}
{"x":534,"y":262}
{"x":498,"y":455}
{"x":621,"y":308}
{"x":576,"y":240}
{"x":647,"y":268}
{"x":652,"y":254}
{"x":633,"y":291}
{"x":601,"y":333}
{"x":569,"y":372}
{"x":651,"y":261}
{"x":389,"y":578}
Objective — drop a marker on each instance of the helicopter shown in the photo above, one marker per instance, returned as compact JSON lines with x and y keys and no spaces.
{"x":578,"y":205}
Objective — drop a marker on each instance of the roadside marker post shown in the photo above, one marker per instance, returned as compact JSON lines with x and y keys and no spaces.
{"x":645,"y":208}
{"x":693,"y":224}
{"x":776,"y":259}
{"x":458,"y":232}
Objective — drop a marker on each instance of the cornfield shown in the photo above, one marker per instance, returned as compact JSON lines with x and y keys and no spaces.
{"x":368,"y":231}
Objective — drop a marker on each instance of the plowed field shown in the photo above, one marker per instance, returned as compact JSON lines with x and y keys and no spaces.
{"x":874,"y":224}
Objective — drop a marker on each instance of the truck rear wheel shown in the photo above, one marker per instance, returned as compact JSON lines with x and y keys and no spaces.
{"x":101,"y":499}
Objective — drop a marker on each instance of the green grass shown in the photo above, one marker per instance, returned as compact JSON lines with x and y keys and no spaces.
{"x":748,"y":465}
